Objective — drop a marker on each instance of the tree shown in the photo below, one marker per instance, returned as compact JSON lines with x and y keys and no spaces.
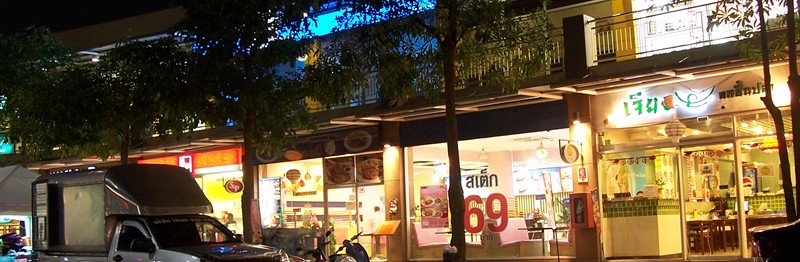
{"x":420,"y":48}
{"x":750,"y":17}
{"x":34,"y":67}
{"x":101,"y":108}
{"x":243,"y":57}
{"x":146,"y":92}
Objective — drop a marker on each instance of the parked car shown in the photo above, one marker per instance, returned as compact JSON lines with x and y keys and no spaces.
{"x":776,"y":242}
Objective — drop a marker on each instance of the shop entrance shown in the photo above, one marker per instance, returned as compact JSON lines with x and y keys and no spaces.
{"x":708,"y":175}
{"x":357,"y":209}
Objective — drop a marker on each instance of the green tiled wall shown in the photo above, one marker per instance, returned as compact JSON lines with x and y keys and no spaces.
{"x":640,"y":208}
{"x":775,"y":202}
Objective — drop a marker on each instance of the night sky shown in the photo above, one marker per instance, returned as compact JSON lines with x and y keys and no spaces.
{"x":59,"y":15}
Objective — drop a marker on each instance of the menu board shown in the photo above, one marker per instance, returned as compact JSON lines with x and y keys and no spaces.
{"x":433,"y":206}
{"x":269,"y":194}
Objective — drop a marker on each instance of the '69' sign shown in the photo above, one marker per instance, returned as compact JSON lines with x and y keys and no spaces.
{"x":471,"y":204}
{"x":234,"y":186}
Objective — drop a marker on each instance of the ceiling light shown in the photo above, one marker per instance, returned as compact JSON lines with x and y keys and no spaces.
{"x":540,"y":152}
{"x":483,"y":156}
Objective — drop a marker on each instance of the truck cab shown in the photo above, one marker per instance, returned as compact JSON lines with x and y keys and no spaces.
{"x":133,"y":213}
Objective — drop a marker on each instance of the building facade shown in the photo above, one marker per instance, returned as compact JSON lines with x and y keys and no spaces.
{"x":552,"y":172}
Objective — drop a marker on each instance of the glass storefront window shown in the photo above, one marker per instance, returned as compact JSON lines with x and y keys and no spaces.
{"x":516,"y":192}
{"x":718,"y":187}
{"x":301,"y":200}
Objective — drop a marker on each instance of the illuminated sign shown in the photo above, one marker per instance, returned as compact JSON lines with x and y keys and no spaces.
{"x":218,"y":158}
{"x":740,"y":90}
{"x":701,"y":97}
{"x":195,"y":161}
{"x":170,"y":160}
{"x":186,"y":162}
{"x":6,"y":147}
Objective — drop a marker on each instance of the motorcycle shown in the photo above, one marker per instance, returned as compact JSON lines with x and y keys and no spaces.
{"x":775,"y":242}
{"x":12,"y":247}
{"x":354,"y":252}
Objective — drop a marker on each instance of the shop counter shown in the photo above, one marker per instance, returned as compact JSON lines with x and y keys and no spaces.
{"x":642,"y":228}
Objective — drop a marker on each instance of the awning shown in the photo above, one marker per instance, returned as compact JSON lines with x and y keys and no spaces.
{"x":15,"y":190}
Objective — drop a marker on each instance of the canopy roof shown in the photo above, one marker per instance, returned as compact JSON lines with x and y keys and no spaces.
{"x":15,"y":190}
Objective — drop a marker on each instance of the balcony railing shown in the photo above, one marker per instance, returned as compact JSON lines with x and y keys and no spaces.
{"x":555,"y":56}
{"x":655,"y":31}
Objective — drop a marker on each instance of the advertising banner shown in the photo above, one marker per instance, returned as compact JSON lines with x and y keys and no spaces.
{"x":434,"y":206}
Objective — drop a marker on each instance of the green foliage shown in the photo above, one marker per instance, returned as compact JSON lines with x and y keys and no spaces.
{"x":55,"y":102}
{"x":243,"y":60}
{"x":496,"y":47}
{"x":742,"y":14}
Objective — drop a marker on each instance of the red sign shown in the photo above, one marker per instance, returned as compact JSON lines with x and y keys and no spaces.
{"x":234,"y":186}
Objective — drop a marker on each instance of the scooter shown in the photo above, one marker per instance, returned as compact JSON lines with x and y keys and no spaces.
{"x":353,"y":250}
{"x":318,"y":255}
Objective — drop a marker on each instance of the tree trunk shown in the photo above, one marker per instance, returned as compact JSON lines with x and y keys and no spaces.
{"x":776,"y":115}
{"x":794,"y":88}
{"x":455,"y":193}
{"x":248,"y":179}
{"x":125,"y":146}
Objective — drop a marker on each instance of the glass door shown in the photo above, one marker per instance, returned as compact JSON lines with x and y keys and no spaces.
{"x":342,"y":213}
{"x":371,"y":212}
{"x":709,"y":178}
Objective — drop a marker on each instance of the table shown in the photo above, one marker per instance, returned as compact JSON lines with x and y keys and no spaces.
{"x":532,"y":233}
{"x":555,"y":237}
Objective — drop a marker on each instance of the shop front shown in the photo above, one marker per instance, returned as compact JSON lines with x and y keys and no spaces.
{"x":685,"y":168}
{"x":326,"y":182}
{"x":520,"y":170}
{"x":219,"y":175}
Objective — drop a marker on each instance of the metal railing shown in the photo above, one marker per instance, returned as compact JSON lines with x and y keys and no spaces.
{"x":655,"y":31}
{"x":555,"y":57}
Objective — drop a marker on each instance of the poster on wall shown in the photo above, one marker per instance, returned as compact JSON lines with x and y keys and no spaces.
{"x":369,"y":167}
{"x":749,"y":180}
{"x":530,"y":182}
{"x":339,"y":170}
{"x":433,"y":206}
{"x":566,"y":179}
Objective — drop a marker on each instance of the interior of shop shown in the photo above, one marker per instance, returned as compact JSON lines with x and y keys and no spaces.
{"x":642,"y":184}
{"x":227,"y":205}
{"x":296,"y":197}
{"x":520,"y":176}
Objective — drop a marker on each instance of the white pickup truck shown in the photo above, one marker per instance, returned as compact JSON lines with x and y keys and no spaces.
{"x":133,"y":213}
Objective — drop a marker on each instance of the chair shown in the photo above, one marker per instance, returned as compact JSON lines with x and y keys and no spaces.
{"x":700,"y":235}
{"x":730,"y":233}
{"x":428,"y":237}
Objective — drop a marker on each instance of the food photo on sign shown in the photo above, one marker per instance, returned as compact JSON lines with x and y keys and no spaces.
{"x":339,"y":170}
{"x":369,"y":167}
{"x":434,"y":206}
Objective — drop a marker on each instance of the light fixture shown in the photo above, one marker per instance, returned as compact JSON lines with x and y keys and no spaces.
{"x":541,"y":152}
{"x":483,"y":156}
{"x":386,"y":145}
{"x":576,"y":118}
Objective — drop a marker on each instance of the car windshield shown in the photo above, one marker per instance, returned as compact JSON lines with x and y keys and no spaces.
{"x":186,"y":231}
